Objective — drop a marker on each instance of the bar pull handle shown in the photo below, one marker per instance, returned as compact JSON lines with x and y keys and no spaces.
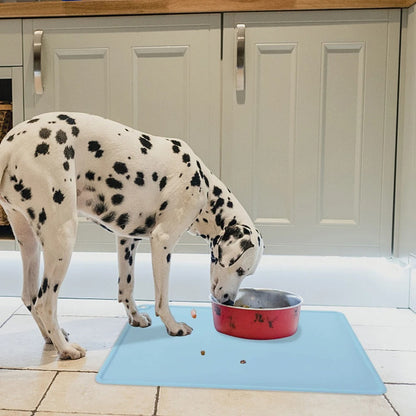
{"x":240,"y":70}
{"x":37,"y":61}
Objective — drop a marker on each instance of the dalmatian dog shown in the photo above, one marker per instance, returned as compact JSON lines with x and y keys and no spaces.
{"x":133,"y":184}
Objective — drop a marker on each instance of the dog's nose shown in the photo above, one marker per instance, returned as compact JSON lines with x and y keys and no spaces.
{"x":228,"y":302}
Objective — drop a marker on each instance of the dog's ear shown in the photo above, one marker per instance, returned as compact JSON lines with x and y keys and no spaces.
{"x":234,"y":242}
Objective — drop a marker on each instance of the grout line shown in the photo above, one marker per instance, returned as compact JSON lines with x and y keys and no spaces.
{"x":44,"y":394}
{"x":391,"y":405}
{"x":11,"y":316}
{"x":156,"y":401}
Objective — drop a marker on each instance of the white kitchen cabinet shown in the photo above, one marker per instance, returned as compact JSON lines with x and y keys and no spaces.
{"x":308,"y":143}
{"x":11,"y":89}
{"x":159,"y":74}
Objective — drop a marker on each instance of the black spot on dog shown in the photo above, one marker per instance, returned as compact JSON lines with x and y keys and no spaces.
{"x":145,"y":141}
{"x":33,"y":120}
{"x":162,"y":182}
{"x":90,"y":175}
{"x":113,"y":183}
{"x":109,"y":217}
{"x":240,"y":271}
{"x":218,"y":204}
{"x":68,"y":119}
{"x":75,"y":131}
{"x":58,"y":197}
{"x":217,"y":191}
{"x":129,"y":278}
{"x":163,"y":206}
{"x":175,"y":149}
{"x":10,"y":138}
{"x":55,"y":288}
{"x":196,"y":180}
{"x":139,"y":179}
{"x":246,"y":244}
{"x":123,"y":220}
{"x":230,"y":204}
{"x":45,"y":285}
{"x":42,"y":216}
{"x":120,"y":168}
{"x":100,"y":208}
{"x":31,"y":213}
{"x":94,"y":146}
{"x":42,"y":149}
{"x":26,"y":193}
{"x":168,"y":258}
{"x":154,"y":176}
{"x":19,"y":186}
{"x":69,"y":152}
{"x":66,"y":165}
{"x":176,"y":142}
{"x":61,"y":137}
{"x":150,"y":221}
{"x":44,"y":133}
{"x":219,"y":221}
{"x":186,"y":158}
{"x":138,"y":231}
{"x":117,"y":199}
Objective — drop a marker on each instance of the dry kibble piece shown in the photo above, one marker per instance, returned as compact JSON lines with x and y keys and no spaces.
{"x":193,"y":313}
{"x":243,"y":361}
{"x":202,"y":352}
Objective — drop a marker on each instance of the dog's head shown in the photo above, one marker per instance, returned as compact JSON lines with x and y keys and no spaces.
{"x":235,"y":254}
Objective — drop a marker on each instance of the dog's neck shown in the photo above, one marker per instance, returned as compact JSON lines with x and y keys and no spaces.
{"x":222,"y":210}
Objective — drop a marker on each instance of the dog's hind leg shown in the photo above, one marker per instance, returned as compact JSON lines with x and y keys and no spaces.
{"x":58,"y":238}
{"x":30,"y":252}
{"x":126,"y":253}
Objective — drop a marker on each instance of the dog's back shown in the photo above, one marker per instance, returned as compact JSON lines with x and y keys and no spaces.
{"x":123,"y":178}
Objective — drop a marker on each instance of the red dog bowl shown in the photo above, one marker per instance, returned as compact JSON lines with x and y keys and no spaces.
{"x":258,"y":314}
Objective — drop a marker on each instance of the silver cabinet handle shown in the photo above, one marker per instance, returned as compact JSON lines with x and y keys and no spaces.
{"x":240,"y":70}
{"x":37,"y":62}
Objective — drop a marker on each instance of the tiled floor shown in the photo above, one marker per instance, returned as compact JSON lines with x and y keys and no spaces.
{"x":33,"y":382}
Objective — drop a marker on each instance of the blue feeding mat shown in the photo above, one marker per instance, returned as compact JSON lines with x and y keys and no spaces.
{"x":323,"y":356}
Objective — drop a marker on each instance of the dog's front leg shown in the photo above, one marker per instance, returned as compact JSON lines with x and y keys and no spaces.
{"x":126,"y":253}
{"x":162,"y":245}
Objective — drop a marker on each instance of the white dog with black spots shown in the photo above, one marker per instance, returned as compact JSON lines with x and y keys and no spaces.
{"x":133,"y":184}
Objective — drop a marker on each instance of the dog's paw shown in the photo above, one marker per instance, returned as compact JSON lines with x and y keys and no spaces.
{"x":140,"y":319}
{"x":72,"y":352}
{"x":181,"y":329}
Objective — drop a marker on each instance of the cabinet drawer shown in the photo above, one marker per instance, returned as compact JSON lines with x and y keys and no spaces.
{"x":11,"y":42}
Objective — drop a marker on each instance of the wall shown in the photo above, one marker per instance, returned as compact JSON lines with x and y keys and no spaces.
{"x":405,"y":220}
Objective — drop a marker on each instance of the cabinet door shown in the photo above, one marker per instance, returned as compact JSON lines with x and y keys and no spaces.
{"x":159,"y":74}
{"x":309,"y":143}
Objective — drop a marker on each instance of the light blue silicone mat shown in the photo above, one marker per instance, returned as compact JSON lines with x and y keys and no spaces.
{"x":323,"y":356}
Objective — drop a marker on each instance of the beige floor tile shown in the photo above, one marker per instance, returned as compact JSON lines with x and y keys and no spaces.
{"x":386,"y":337}
{"x":190,"y":402}
{"x":22,"y":346}
{"x":14,"y":413}
{"x":23,"y":390}
{"x":402,"y":398}
{"x":80,"y":393}
{"x":7,"y":307}
{"x":373,"y":316}
{"x":73,"y":414}
{"x":395,"y":366}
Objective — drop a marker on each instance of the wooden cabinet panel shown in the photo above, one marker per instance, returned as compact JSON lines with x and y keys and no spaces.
{"x":309,"y":145}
